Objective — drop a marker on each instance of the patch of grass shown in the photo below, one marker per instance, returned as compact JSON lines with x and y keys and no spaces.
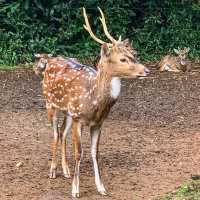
{"x":189,"y":191}
{"x":11,"y":68}
{"x":5,"y":67}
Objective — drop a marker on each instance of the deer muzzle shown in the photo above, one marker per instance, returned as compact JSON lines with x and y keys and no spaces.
{"x":144,"y":71}
{"x":147,"y":71}
{"x":183,"y":62}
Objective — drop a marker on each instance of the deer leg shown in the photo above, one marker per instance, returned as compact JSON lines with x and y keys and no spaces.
{"x":76,"y":134}
{"x":54,"y":146}
{"x":95,"y":137}
{"x":63,"y":125}
{"x":67,"y":123}
{"x":50,"y":114}
{"x":62,"y":128}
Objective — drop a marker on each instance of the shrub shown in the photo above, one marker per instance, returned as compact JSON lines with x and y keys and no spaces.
{"x":56,"y":26}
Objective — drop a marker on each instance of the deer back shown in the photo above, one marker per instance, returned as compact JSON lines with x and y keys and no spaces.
{"x":70,"y":86}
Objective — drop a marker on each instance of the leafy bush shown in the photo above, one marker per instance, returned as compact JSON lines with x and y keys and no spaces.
{"x":56,"y":26}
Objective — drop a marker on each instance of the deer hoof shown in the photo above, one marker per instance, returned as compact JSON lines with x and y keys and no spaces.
{"x":76,"y":195}
{"x":103,"y":192}
{"x":66,"y":172}
{"x":52,"y":174}
{"x":67,"y":175}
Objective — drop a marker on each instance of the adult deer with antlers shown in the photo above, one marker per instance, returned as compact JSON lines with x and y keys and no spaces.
{"x":86,"y":96}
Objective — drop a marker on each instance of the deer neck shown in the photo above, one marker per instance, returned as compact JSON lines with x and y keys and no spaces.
{"x":108,"y":87}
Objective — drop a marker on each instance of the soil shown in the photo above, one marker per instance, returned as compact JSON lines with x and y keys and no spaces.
{"x":150,"y":143}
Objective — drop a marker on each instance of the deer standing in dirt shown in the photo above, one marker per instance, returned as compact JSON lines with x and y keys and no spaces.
{"x":86,"y":96}
{"x":175,"y":63}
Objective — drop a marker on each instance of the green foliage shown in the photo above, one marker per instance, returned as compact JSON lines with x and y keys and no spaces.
{"x":56,"y":26}
{"x":189,"y":191}
{"x":169,"y":24}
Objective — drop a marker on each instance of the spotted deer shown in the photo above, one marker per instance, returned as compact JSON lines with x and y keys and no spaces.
{"x":86,"y":95}
{"x":42,"y":61}
{"x":175,"y":63}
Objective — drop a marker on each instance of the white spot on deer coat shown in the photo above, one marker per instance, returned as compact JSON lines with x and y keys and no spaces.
{"x":115,"y":87}
{"x":94,"y":102}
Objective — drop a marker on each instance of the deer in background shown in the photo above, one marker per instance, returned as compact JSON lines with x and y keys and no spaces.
{"x":43,"y":60}
{"x":175,"y":63}
{"x":85,"y":96}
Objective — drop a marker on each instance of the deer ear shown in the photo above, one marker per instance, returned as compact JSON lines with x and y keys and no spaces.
{"x":105,"y":51}
{"x":126,"y":42}
{"x":37,"y":55}
{"x":187,"y":50}
{"x":176,"y":51}
{"x":120,"y":39}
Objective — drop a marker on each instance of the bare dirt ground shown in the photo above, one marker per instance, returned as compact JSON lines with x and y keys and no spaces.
{"x":150,"y":143}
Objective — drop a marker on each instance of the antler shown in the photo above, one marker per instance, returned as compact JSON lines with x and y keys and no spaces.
{"x":89,"y":30}
{"x":103,"y":21}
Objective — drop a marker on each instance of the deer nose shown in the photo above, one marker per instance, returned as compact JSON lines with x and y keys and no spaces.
{"x":146,"y":70}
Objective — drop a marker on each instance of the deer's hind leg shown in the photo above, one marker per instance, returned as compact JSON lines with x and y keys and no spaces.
{"x":76,"y":135}
{"x":54,"y":119}
{"x":65,"y":129}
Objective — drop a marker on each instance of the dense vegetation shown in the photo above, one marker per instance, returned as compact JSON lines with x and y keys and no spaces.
{"x":56,"y":26}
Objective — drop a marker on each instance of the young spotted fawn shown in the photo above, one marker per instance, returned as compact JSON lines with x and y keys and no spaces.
{"x":175,"y":63}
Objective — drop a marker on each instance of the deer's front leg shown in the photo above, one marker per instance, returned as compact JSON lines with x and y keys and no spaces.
{"x":95,"y":136}
{"x":65,"y":130}
{"x":76,"y":135}
{"x":54,"y":146}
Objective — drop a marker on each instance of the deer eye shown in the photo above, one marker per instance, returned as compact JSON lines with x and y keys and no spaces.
{"x":123,"y":60}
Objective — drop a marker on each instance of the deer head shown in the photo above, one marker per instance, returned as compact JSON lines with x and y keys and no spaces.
{"x":41,"y":61}
{"x":117,"y":58}
{"x":44,"y":59}
{"x":182,"y":54}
